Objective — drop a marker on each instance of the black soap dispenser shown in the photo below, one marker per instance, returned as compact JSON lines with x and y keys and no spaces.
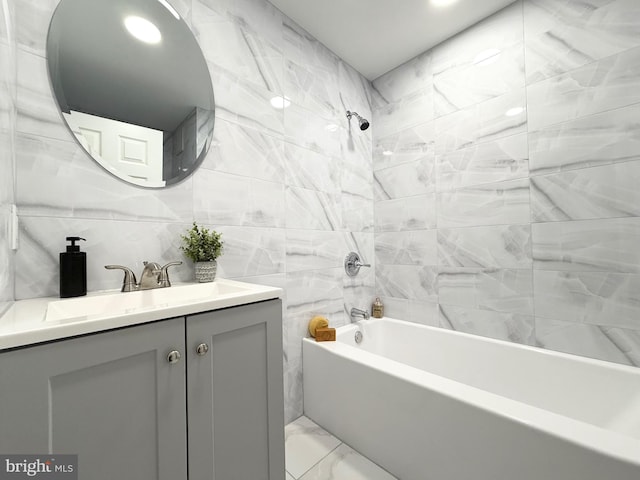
{"x":73,"y":270}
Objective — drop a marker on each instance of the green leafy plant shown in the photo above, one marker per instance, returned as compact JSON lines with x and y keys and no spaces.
{"x":201,"y":244}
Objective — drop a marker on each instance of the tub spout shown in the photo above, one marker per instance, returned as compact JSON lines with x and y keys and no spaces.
{"x":356,"y":312}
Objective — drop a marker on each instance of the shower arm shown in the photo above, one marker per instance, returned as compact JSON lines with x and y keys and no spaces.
{"x":364,"y":123}
{"x":351,"y":114}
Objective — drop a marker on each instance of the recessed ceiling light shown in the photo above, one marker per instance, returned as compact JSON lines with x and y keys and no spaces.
{"x":143,"y":29}
{"x":280,"y":102}
{"x":170,"y":8}
{"x":487,"y":57}
{"x":512,"y":112}
{"x":387,"y":153}
{"x":442,"y":3}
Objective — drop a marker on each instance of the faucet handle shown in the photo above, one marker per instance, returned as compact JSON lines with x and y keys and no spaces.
{"x":129,"y":282}
{"x":353,"y":263}
{"x":164,"y":274}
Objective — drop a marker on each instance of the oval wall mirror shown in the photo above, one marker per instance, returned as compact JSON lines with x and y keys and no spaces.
{"x":133,"y":86}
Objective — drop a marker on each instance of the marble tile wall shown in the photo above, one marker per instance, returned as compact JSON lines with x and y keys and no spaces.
{"x":7,"y":147}
{"x":290,"y":196}
{"x":506,"y":185}
{"x":519,"y":227}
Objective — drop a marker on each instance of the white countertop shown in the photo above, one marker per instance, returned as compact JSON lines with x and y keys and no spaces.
{"x":43,"y":319}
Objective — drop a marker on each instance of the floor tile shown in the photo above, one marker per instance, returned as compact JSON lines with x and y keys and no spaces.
{"x":344,"y":463}
{"x":305,"y":445}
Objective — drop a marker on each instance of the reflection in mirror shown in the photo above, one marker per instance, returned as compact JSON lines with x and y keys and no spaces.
{"x":133,"y":86}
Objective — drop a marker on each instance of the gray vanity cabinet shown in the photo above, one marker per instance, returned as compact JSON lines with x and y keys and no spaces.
{"x":236,"y":414}
{"x":112,"y":398}
{"x":116,"y":400}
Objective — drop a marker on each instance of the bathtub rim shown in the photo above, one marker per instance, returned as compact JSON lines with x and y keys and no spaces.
{"x":593,"y":437}
{"x":496,"y":341}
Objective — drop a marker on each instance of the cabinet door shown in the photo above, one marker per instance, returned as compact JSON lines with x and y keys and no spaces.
{"x":111,"y":398}
{"x":234,"y":394}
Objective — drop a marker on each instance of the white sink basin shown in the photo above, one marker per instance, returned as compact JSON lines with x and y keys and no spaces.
{"x":110,"y":304}
{"x":39,"y":320}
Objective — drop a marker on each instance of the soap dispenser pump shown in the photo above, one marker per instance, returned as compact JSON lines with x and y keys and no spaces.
{"x":73,"y":270}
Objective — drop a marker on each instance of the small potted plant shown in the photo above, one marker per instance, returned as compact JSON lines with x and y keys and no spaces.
{"x":203,"y":246}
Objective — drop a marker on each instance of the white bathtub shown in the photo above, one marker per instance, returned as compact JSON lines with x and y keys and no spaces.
{"x":427,"y":403}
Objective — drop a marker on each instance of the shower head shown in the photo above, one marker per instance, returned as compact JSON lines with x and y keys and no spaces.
{"x":364,"y":123}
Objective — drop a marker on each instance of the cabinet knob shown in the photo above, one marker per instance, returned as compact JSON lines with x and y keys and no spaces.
{"x":173,"y":356}
{"x":202,"y":349}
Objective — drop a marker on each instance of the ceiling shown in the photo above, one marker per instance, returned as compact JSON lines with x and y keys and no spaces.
{"x":375,"y":36}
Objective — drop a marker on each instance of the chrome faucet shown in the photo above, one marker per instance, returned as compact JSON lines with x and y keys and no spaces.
{"x":153,"y":276}
{"x":150,"y":277}
{"x":356,"y":312}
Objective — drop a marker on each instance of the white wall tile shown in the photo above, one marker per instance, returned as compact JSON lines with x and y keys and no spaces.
{"x":8,"y":82}
{"x":512,"y":327}
{"x":506,"y":246}
{"x":407,"y":146}
{"x":504,"y":203}
{"x":608,"y":245}
{"x":598,"y":139}
{"x":606,"y":84}
{"x":57,"y":178}
{"x":409,"y":111}
{"x":245,"y":103}
{"x":417,"y":247}
{"x":494,"y":161}
{"x":562,"y":36}
{"x":410,"y":213}
{"x":405,"y":180}
{"x":310,"y":209}
{"x":314,"y":89}
{"x":410,"y":282}
{"x":309,"y":169}
{"x":484,"y":122}
{"x":547,"y":193}
{"x":609,"y":344}
{"x":37,"y":109}
{"x":108,"y":242}
{"x":609,"y":191}
{"x":313,"y":250}
{"x":249,"y":54}
{"x":403,"y":80}
{"x":499,"y":290}
{"x":595,"y":298}
{"x":307,"y":129}
{"x":225,"y":199}
{"x":32,"y":24}
{"x":251,"y":252}
{"x":480,"y":81}
{"x":501,"y":30}
{"x":241,"y":150}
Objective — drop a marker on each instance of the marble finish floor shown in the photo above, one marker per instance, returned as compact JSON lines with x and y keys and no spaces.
{"x":312,"y":453}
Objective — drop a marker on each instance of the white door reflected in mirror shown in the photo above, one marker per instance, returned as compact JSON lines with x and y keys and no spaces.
{"x":132,"y":150}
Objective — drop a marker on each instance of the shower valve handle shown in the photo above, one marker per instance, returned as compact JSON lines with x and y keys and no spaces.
{"x":353,"y":263}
